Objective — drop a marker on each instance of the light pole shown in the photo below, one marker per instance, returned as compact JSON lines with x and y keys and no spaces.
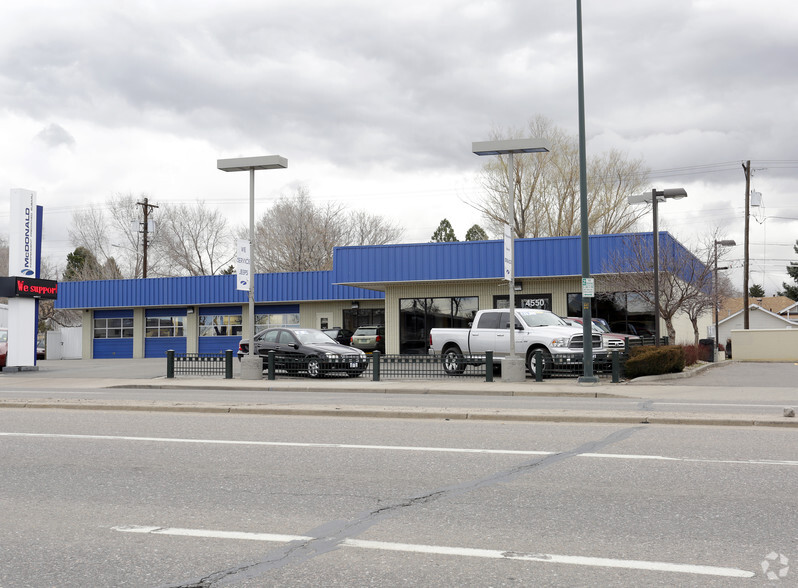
{"x":722,"y":243}
{"x":654,"y":197}
{"x":513,"y":367}
{"x":252,"y":365}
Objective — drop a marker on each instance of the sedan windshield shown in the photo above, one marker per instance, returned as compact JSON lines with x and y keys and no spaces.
{"x":311,"y":336}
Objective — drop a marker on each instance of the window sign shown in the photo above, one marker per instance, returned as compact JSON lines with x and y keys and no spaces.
{"x":536,"y":301}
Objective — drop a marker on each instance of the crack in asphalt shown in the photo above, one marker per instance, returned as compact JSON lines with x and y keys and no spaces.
{"x":329,"y":536}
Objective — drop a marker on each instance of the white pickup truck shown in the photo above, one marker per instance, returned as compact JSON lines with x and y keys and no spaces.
{"x":490,"y":331}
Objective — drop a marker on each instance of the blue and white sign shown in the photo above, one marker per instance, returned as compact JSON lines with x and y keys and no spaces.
{"x":22,"y":234}
{"x":23,"y":256}
{"x":508,"y":252}
{"x":243,"y":265}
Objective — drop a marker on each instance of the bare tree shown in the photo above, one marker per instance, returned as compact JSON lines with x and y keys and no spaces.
{"x":296,"y":234}
{"x":684,"y":281}
{"x":193,"y":240}
{"x":547,"y":197}
{"x":113,"y":229}
{"x":370,"y":229}
{"x":706,"y":297}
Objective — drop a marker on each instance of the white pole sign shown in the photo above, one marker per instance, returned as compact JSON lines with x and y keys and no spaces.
{"x":22,"y":256}
{"x":508,"y":252}
{"x":243,"y":265}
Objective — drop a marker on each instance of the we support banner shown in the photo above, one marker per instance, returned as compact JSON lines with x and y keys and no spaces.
{"x":243,"y":269}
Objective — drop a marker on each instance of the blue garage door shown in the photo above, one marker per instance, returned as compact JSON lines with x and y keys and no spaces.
{"x":112,"y":334}
{"x":219,"y":328}
{"x":164,"y":329}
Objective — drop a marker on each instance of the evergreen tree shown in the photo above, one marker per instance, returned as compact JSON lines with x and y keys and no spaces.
{"x":756,"y":291}
{"x":444,"y":233}
{"x":791,"y":290}
{"x":82,"y":265}
{"x":476,"y":233}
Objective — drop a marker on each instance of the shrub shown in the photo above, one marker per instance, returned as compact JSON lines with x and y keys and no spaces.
{"x":650,"y":361}
{"x":690,"y":354}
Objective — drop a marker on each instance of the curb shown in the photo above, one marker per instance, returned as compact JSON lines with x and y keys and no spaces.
{"x":414,"y":413}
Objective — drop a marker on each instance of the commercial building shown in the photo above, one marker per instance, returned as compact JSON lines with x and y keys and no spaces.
{"x":410,"y":288}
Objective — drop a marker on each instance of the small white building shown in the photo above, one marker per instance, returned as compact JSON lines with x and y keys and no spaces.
{"x":758,"y":318}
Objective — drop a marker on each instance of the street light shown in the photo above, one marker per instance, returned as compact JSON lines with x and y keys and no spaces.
{"x":654,"y":197}
{"x":513,"y":367}
{"x":722,"y":243}
{"x":252,"y":365}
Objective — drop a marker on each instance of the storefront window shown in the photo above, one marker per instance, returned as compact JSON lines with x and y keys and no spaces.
{"x":624,"y":311}
{"x":418,"y":315}
{"x":219,"y":325}
{"x":363,"y":317}
{"x":113,"y":328}
{"x":165,"y":326}
{"x":266,"y":321}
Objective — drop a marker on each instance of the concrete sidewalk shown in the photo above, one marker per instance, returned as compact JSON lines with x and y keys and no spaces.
{"x":734,"y":385}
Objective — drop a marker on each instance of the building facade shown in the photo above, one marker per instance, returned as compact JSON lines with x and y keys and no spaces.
{"x":409,"y":288}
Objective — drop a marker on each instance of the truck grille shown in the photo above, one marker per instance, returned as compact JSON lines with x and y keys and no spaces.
{"x":576,"y":342}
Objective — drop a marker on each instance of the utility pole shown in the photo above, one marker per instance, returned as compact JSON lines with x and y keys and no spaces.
{"x":146,"y":224}
{"x":747,"y":171}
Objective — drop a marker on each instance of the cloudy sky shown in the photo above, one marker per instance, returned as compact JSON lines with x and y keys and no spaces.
{"x":375,"y":104}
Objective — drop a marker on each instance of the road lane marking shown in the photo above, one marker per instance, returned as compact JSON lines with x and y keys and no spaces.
{"x":655,"y":566}
{"x":399,"y":448}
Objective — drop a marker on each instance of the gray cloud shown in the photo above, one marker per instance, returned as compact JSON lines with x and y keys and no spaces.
{"x":54,"y":135}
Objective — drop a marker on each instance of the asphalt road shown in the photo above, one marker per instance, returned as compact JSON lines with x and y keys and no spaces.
{"x":99,"y":498}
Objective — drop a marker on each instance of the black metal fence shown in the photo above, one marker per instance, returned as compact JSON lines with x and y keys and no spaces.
{"x":199,"y":364}
{"x":379,"y":367}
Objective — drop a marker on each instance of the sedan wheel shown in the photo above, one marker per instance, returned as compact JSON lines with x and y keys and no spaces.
{"x":314,"y":367}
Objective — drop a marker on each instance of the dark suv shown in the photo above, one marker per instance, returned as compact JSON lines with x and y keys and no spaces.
{"x":371,"y":338}
{"x":342,"y":336}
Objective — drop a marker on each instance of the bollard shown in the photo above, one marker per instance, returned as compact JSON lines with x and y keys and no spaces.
{"x":626,"y":345}
{"x":489,"y":366}
{"x":170,"y":363}
{"x":616,"y":367}
{"x":376,"y":359}
{"x":538,"y":366}
{"x":270,"y":364}
{"x":228,"y":364}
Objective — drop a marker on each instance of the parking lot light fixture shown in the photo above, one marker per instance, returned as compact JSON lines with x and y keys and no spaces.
{"x":251,"y":365}
{"x":654,"y":197}
{"x":513,"y":367}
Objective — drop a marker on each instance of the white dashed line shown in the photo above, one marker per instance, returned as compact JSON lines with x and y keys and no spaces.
{"x":401,"y":448}
{"x":629,"y":564}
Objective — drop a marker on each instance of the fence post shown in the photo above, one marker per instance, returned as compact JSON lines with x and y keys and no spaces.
{"x":616,"y":367}
{"x":228,"y":364}
{"x":376,"y":371}
{"x":170,"y":363}
{"x":270,"y":364}
{"x":489,"y":366}
{"x":538,"y":366}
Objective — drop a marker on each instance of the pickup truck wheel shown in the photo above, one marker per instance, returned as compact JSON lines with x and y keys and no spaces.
{"x":453,"y":362}
{"x":531,"y":364}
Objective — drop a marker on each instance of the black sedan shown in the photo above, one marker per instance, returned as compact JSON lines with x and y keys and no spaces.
{"x":310,"y":350}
